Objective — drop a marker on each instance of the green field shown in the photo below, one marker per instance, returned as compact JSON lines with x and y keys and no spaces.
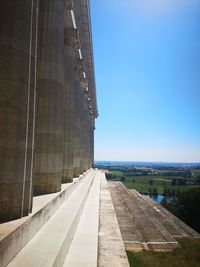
{"x":142,"y":183}
{"x":144,"y":187}
{"x":117,"y":173}
{"x":186,"y":256}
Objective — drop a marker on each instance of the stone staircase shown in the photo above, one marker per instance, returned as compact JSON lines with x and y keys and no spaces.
{"x":63,"y":229}
{"x":144,"y":224}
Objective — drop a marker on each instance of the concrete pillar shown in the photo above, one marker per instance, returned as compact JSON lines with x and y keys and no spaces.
{"x":91,"y":128}
{"x":85,"y":133}
{"x":50,"y":107}
{"x":80,"y":117}
{"x":89,"y":141}
{"x":82,"y":131}
{"x":87,"y":137}
{"x":77,"y":128}
{"x":69,"y":109}
{"x":18,"y":28}
{"x":92,"y":140}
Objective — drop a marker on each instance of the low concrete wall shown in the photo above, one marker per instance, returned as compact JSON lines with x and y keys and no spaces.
{"x":14,"y":235}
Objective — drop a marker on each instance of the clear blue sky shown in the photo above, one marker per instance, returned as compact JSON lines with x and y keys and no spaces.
{"x":147,"y":62}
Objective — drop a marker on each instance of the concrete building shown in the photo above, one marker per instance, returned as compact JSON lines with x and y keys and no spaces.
{"x":47,"y":99}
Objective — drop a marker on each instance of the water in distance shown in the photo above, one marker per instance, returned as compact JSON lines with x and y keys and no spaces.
{"x":158,"y":198}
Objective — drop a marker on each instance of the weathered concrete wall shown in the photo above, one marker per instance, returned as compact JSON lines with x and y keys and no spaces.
{"x":18,"y":24}
{"x":50,"y":98}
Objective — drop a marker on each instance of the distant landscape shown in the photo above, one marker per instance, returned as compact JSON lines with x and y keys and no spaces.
{"x":176,"y":186}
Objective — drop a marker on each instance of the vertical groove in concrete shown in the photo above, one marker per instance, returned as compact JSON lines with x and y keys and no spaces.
{"x":18,"y":22}
{"x":50,"y":91}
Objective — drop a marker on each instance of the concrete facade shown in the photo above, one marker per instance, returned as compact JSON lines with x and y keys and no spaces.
{"x":47,"y":99}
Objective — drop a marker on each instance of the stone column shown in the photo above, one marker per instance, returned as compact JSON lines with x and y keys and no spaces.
{"x":85,"y":134}
{"x":69,"y":109}
{"x":18,"y":28}
{"x":50,"y":107}
{"x":87,"y":138}
{"x":89,"y":141}
{"x":77,"y":128}
{"x":91,"y":127}
{"x":82,"y":128}
{"x":92,"y":140}
{"x":79,"y":138}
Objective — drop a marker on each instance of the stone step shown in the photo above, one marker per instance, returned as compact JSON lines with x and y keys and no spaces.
{"x":50,"y":244}
{"x":139,"y":229}
{"x":182,"y":229}
{"x":154,"y":212}
{"x":84,"y":247}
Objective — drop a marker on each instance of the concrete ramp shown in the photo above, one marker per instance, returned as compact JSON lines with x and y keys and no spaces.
{"x":145,"y":224}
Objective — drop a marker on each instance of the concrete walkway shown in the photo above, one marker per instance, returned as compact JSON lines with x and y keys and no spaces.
{"x":84,"y":247}
{"x":111,"y":248}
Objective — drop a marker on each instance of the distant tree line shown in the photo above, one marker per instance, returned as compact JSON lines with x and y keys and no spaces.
{"x":185,"y":174}
{"x":137,"y":173}
{"x":111,"y":176}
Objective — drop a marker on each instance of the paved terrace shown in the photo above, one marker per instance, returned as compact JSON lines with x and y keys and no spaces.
{"x":144,"y":224}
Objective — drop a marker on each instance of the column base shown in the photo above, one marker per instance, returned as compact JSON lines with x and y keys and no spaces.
{"x":76,"y":171}
{"x":67,"y":176}
{"x":47,"y":184}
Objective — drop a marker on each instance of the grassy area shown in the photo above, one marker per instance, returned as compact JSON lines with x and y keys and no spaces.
{"x":141,"y":184}
{"x":143,"y":188}
{"x":186,"y":256}
{"x":145,"y":179}
{"x":117,"y":173}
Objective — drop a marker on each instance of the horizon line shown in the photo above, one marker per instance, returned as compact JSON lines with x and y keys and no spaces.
{"x":193,"y":162}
